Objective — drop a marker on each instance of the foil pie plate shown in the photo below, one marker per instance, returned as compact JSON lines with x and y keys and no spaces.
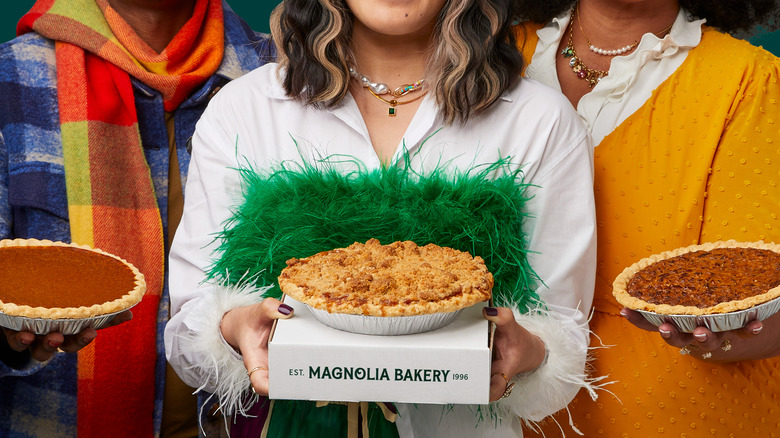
{"x":384,"y":325}
{"x":66,"y":326}
{"x":717,"y":322}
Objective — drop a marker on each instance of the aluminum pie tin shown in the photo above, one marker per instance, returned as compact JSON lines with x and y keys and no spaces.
{"x":384,"y":325}
{"x":66,"y":326}
{"x":717,"y":322}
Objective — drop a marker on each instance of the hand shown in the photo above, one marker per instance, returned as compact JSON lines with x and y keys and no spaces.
{"x":756,"y":340}
{"x":43,"y":347}
{"x":515,"y":349}
{"x":247,"y":329}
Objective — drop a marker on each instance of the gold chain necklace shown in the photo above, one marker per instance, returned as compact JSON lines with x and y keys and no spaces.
{"x":579,"y":68}
{"x":393,"y":102}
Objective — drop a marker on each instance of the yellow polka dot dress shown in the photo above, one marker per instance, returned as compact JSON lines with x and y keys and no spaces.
{"x":699,"y":162}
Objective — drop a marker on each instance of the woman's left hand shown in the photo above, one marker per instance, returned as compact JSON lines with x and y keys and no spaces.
{"x":515,"y":350}
{"x":756,"y":340}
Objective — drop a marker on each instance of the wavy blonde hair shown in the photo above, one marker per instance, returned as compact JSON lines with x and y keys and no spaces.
{"x":473,"y":59}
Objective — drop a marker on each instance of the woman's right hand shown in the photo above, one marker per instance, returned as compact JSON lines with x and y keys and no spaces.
{"x":247,"y":330}
{"x":43,"y":347}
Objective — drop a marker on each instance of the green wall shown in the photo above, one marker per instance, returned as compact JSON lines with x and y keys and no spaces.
{"x":256,"y":12}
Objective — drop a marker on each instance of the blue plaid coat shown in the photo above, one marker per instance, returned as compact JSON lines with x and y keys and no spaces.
{"x":39,"y":400}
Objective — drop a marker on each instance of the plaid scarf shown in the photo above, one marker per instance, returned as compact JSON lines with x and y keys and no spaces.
{"x":111,"y":199}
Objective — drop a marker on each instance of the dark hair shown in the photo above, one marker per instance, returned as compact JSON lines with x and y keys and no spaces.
{"x":726,"y":15}
{"x":473,"y":59}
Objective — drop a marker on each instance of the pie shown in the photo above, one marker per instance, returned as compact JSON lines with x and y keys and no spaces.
{"x":398,"y":279}
{"x":55,"y":280}
{"x":712,"y":278}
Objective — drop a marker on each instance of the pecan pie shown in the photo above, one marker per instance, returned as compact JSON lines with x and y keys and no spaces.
{"x":712,"y":278}
{"x":399,"y":279}
{"x":55,"y":280}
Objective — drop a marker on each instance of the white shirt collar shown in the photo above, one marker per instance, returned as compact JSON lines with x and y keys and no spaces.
{"x":685,"y":34}
{"x":632,"y":77}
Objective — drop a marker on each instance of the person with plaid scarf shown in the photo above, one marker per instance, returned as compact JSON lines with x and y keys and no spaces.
{"x":101,"y":97}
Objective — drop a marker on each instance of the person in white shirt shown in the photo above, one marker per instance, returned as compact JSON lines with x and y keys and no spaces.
{"x":464,"y":105}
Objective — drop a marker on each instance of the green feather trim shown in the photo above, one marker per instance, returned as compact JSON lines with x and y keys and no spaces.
{"x":297,"y":210}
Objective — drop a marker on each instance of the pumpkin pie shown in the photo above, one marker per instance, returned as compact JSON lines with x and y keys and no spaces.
{"x":48,"y":280}
{"x":398,"y":279}
{"x":708,"y":279}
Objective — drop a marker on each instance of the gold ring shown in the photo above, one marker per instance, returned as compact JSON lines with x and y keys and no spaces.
{"x":249,"y":373}
{"x":509,"y":386}
{"x":502,"y":375}
{"x":688,"y":348}
{"x":726,"y":345}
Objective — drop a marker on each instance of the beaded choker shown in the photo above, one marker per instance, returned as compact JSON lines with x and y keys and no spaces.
{"x":600,"y":51}
{"x":377,"y":89}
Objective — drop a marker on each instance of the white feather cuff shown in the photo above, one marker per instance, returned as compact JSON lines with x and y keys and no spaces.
{"x":542,"y":392}
{"x":220,"y":365}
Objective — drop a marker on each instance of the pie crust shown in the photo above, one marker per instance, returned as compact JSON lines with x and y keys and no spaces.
{"x":54,"y":280}
{"x":724,"y":270}
{"x":399,"y":279}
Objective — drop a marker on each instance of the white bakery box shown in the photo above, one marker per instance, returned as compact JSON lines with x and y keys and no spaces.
{"x":309,"y":360}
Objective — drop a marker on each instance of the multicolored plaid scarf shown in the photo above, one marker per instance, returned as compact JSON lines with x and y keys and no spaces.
{"x":111,"y":198}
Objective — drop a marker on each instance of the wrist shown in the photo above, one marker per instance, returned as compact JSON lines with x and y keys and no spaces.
{"x":539,"y":356}
{"x":226,"y":329}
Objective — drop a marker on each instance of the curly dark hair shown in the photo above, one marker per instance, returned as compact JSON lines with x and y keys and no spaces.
{"x":727,"y":15}
{"x":473,"y":59}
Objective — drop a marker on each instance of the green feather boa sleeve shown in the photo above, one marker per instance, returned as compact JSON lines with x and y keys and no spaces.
{"x":297,"y":210}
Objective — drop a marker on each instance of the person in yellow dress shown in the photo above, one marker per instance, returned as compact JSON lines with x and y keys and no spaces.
{"x":686,"y":123}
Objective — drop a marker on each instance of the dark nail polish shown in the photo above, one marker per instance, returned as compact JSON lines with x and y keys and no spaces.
{"x":491,"y":311}
{"x":284,"y":309}
{"x":54,"y":344}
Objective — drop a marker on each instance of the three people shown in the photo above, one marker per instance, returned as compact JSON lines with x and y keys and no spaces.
{"x":684,"y":118}
{"x":329,"y":103}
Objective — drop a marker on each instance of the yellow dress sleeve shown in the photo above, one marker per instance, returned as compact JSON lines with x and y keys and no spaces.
{"x":743,"y":199}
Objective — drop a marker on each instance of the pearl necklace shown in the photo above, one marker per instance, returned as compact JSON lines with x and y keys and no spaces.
{"x":610,"y":52}
{"x":380,"y":88}
{"x":600,"y":51}
{"x":377,"y":89}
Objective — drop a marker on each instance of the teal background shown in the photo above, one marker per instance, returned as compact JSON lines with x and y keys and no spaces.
{"x":256,"y":13}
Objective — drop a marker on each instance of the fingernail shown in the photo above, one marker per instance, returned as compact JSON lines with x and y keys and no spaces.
{"x":491,"y":311}
{"x":700,"y":337}
{"x":757,"y":330}
{"x":284,"y":309}
{"x":25,"y":341}
{"x":54,"y":344}
{"x":86,"y":341}
{"x":624,"y":313}
{"x":666,"y":334}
